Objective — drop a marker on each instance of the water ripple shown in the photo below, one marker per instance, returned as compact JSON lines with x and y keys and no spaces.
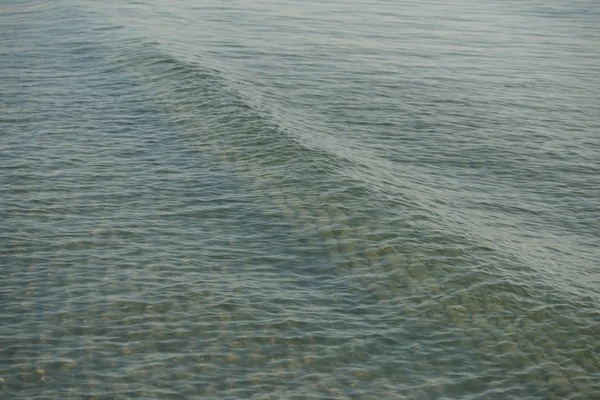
{"x":336,"y":200}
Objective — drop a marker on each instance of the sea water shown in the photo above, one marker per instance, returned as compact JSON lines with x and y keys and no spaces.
{"x":299,"y":199}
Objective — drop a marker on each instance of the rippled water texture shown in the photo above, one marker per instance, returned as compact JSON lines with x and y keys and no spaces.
{"x":284,"y":199}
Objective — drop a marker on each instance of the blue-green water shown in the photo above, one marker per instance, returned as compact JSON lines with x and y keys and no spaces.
{"x":283,"y":199}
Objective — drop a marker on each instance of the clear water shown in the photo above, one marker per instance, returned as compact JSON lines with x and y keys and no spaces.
{"x":284,"y":199}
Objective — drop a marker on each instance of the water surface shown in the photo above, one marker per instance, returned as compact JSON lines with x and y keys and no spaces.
{"x":281,"y":199}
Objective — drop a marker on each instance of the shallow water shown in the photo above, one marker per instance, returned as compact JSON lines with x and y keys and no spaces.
{"x":357,"y":199}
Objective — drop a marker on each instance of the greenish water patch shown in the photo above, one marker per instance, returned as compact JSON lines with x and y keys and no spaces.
{"x":207,"y":216}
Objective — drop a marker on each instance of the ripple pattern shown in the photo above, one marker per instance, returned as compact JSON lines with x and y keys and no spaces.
{"x":177,"y":226}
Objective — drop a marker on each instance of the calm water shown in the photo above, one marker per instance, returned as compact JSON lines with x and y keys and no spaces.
{"x":300,"y":199}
